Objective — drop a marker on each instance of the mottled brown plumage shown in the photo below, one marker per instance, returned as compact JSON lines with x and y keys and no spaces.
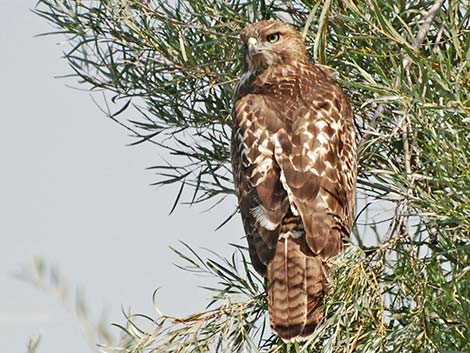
{"x":294,"y":166}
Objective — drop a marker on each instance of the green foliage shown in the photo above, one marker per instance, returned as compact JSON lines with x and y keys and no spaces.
{"x":406,"y":67}
{"x":48,"y":278}
{"x":33,"y":344}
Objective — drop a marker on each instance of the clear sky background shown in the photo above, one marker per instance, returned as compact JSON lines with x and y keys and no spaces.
{"x":72,"y":193}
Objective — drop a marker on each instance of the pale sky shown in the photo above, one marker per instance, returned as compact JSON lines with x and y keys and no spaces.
{"x":74,"y":194}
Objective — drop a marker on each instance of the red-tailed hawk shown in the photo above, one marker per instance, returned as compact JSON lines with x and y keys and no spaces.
{"x":294,"y":167}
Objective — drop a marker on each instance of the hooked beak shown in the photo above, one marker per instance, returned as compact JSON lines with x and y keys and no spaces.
{"x":252,"y":47}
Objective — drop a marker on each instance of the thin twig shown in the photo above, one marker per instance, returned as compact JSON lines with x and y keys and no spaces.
{"x":423,"y":31}
{"x":419,"y":39}
{"x":406,"y":125}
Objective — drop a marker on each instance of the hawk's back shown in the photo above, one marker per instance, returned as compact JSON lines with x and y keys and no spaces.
{"x":294,"y":165}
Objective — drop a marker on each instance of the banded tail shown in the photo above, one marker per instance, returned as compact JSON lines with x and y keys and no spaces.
{"x":297,"y":279}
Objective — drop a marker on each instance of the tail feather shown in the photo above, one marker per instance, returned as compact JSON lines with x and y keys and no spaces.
{"x":296,"y":283}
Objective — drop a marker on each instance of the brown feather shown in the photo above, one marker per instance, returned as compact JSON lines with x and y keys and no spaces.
{"x":294,"y":165}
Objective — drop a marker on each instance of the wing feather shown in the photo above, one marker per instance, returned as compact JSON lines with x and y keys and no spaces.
{"x":314,"y":157}
{"x":262,"y":198}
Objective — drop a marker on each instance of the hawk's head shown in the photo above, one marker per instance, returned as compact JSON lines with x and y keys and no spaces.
{"x":271,"y":42}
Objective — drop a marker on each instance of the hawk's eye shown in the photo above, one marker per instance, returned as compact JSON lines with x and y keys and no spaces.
{"x":273,"y":37}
